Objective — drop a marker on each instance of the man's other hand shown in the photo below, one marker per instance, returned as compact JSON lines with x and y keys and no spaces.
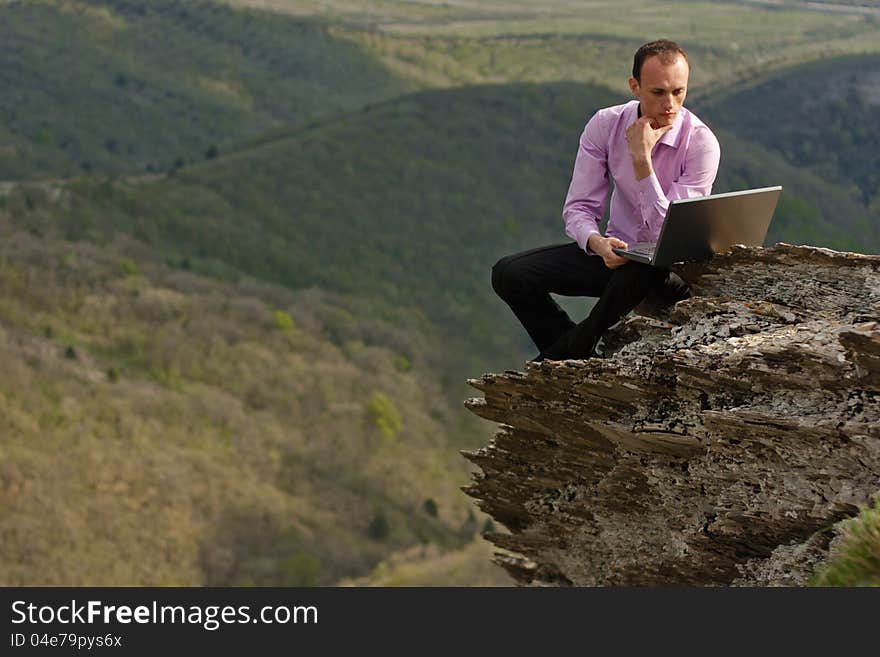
{"x":602,"y":246}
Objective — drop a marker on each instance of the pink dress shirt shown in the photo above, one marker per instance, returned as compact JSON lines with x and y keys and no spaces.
{"x":685,"y":163}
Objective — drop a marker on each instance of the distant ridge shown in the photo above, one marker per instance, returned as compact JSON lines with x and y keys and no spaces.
{"x":130,"y":86}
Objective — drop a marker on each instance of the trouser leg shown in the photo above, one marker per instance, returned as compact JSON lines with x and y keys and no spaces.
{"x":525,"y":280}
{"x":627,"y":286}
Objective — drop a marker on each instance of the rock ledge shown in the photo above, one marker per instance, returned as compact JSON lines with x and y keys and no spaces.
{"x":718,"y":444}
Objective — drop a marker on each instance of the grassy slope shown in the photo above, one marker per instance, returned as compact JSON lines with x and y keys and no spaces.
{"x":504,"y":41}
{"x":132,"y":86}
{"x":162,"y":428}
{"x":426,"y":566}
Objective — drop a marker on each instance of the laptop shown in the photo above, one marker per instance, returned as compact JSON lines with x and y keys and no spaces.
{"x":697,"y":228}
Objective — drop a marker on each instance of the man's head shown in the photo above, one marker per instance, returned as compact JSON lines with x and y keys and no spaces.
{"x":659,"y":81}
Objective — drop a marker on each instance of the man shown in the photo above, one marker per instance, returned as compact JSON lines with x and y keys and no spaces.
{"x":656,"y":151}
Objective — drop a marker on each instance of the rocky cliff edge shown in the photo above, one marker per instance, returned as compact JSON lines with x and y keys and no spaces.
{"x":718,"y":443}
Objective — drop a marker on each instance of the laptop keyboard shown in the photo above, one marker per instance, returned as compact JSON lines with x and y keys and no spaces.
{"x":643,"y":249}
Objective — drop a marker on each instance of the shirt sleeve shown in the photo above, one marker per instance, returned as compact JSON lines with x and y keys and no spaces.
{"x":588,"y":192}
{"x":697,"y":177}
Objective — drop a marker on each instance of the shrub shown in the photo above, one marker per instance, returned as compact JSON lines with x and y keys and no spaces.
{"x":856,"y":560}
{"x":43,"y":137}
{"x":300,"y":569}
{"x":469,"y":527}
{"x":283,"y":321}
{"x":511,"y":226}
{"x":379,"y":527}
{"x":382,"y":413}
{"x":128,"y":267}
{"x":430,"y":507}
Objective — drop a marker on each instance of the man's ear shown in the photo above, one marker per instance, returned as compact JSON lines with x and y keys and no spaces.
{"x":634,"y":87}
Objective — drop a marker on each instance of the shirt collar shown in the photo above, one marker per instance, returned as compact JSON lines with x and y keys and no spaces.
{"x":670,"y":137}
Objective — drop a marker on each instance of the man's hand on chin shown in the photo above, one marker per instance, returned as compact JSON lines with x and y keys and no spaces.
{"x":641,"y":137}
{"x":602,"y":246}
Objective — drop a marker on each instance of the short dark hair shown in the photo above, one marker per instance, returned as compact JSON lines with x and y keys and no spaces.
{"x":663,"y":48}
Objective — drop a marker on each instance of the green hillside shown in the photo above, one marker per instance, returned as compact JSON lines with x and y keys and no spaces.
{"x":405,"y":205}
{"x":161,"y":428}
{"x":811,"y":210}
{"x":129,"y":86}
{"x":819,"y":116}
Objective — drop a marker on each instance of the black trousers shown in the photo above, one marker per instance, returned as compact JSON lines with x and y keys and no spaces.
{"x":525,"y":280}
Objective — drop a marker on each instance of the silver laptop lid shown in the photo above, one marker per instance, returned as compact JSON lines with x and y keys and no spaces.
{"x":696,"y":228}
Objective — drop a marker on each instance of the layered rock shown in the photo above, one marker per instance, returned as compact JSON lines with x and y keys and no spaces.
{"x":716,"y":444}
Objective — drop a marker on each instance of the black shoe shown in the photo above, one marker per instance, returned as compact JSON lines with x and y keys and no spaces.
{"x":549,"y":355}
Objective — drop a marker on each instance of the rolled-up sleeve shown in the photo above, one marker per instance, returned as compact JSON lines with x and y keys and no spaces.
{"x":697,"y":177}
{"x":588,"y":192}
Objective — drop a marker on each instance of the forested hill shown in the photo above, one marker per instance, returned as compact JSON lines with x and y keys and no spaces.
{"x":820,"y":116}
{"x":407,"y":203}
{"x":128,"y":86}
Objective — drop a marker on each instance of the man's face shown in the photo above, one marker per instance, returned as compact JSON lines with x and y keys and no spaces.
{"x":662,"y":88}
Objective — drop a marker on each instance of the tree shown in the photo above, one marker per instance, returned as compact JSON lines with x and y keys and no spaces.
{"x":379,"y":527}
